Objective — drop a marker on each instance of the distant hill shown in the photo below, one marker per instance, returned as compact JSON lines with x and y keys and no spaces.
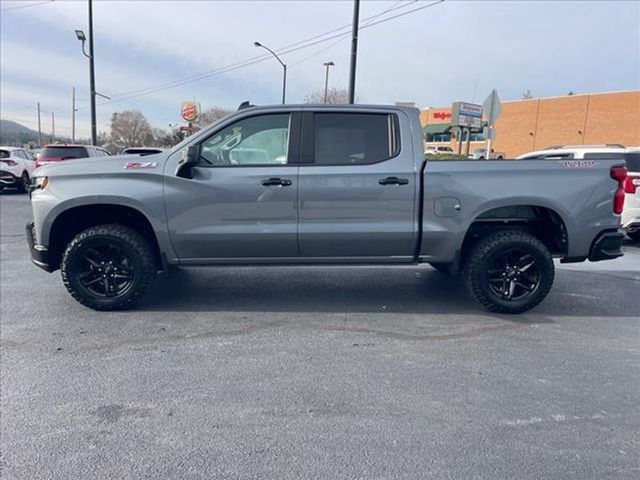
{"x":12,"y":133}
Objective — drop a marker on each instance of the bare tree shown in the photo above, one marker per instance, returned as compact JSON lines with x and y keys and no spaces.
{"x":527,"y":95}
{"x":334,"y":96}
{"x":130,"y":129}
{"x":212,"y":114}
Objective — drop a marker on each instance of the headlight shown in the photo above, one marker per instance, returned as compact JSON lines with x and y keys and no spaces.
{"x":39,"y":183}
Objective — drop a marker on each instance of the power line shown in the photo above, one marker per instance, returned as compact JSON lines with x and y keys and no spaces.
{"x":378,"y":15}
{"x":19,"y":7}
{"x":254,"y":60}
{"x":257,"y":59}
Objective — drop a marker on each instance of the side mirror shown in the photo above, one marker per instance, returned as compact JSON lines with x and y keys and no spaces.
{"x":189,"y":158}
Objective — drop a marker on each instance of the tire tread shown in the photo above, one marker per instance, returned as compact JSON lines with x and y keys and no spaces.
{"x":475,"y":265}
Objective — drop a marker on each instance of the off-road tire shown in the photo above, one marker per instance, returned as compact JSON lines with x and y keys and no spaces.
{"x":137,"y":249}
{"x":479,"y":262}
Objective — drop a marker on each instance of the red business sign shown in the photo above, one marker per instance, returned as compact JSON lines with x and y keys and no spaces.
{"x":442,"y":115}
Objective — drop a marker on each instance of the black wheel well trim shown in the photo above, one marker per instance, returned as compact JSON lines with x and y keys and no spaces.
{"x":482,"y":224}
{"x":71,"y":221}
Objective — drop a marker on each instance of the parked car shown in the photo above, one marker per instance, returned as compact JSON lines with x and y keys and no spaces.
{"x":59,"y":151}
{"x":142,"y":151}
{"x":631,"y":212}
{"x":355,"y":188}
{"x":435,"y":149}
{"x":567,"y":152}
{"x":481,"y":154}
{"x":16,"y":167}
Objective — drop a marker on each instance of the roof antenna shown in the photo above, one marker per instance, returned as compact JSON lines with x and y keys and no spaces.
{"x":244,"y":105}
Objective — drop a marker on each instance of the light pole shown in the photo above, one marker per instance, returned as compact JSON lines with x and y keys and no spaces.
{"x":354,"y":51}
{"x":92,"y":75}
{"x":326,"y":79}
{"x":284,"y":78}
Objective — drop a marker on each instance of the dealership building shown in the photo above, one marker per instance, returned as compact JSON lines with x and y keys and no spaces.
{"x":537,"y":123}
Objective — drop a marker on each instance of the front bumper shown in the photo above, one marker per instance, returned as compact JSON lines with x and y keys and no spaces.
{"x":7,"y":179}
{"x":607,"y":246}
{"x":39,"y":253}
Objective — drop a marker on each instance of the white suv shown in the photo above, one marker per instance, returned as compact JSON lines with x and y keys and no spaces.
{"x":631,"y":156}
{"x":16,"y":167}
{"x":631,"y":212}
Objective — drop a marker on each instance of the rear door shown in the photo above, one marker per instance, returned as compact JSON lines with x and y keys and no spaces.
{"x":241,"y":204}
{"x":357,"y":191}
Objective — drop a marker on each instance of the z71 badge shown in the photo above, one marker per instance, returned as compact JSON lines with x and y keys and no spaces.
{"x":137,"y":165}
{"x":579,"y":163}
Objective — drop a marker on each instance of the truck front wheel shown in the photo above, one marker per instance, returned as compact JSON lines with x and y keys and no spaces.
{"x":108,"y":267}
{"x":509,"y":271}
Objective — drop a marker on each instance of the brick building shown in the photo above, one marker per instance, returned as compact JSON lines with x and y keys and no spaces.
{"x":537,"y":123}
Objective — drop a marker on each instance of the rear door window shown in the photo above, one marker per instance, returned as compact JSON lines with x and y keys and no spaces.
{"x":354,"y":138}
{"x":633,"y":161}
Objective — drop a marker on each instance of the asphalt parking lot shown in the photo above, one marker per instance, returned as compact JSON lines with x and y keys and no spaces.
{"x":345,"y":373}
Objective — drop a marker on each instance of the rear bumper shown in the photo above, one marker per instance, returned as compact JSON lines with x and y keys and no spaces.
{"x":7,"y":179}
{"x":607,"y":246}
{"x":39,"y":253}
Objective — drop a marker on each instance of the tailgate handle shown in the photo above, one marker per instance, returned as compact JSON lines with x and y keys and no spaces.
{"x":393,"y":181}
{"x":276,"y":182}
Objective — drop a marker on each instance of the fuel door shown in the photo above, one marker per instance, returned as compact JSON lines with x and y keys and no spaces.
{"x":447,"y":206}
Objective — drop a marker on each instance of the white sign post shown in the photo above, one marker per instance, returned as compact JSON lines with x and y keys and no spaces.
{"x":492,"y":110}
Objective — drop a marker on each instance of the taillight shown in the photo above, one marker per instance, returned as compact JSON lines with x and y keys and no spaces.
{"x":631,"y":183}
{"x":11,"y":163}
{"x":619,"y":174}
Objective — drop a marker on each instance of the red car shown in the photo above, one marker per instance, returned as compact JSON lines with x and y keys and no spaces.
{"x":60,"y":151}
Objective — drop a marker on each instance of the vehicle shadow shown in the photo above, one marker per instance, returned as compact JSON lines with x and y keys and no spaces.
{"x":368,"y":290}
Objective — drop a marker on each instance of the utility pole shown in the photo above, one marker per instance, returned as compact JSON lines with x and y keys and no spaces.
{"x":73,"y":115}
{"x":354,"y":51}
{"x":326,"y":80}
{"x":39,"y":128}
{"x":53,"y":128}
{"x":92,"y":79}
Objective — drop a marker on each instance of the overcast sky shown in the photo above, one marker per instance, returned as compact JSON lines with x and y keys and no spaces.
{"x":457,"y":50}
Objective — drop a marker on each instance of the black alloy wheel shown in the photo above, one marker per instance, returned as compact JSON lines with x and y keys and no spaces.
{"x":514,"y":274}
{"x":105,"y":269}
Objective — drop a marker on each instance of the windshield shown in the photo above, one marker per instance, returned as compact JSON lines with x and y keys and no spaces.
{"x":67,"y":152}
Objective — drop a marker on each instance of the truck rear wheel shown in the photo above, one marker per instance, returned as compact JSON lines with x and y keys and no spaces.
{"x":509,"y":271}
{"x":108,"y":267}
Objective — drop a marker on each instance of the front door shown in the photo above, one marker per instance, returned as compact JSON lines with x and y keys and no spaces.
{"x":358,"y":191}
{"x":241,"y":202}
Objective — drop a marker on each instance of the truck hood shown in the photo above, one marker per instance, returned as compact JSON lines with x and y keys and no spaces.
{"x":104,"y":165}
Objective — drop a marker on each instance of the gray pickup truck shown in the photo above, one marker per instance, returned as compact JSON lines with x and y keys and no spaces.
{"x":320,"y":185}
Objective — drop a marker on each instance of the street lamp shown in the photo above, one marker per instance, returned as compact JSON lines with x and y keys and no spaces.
{"x":326,"y":80}
{"x":284,"y":78}
{"x":92,"y":74}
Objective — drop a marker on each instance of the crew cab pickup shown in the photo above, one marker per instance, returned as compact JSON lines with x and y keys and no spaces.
{"x":329,"y":185}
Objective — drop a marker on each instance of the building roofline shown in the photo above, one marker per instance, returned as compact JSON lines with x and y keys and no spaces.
{"x":547,"y":98}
